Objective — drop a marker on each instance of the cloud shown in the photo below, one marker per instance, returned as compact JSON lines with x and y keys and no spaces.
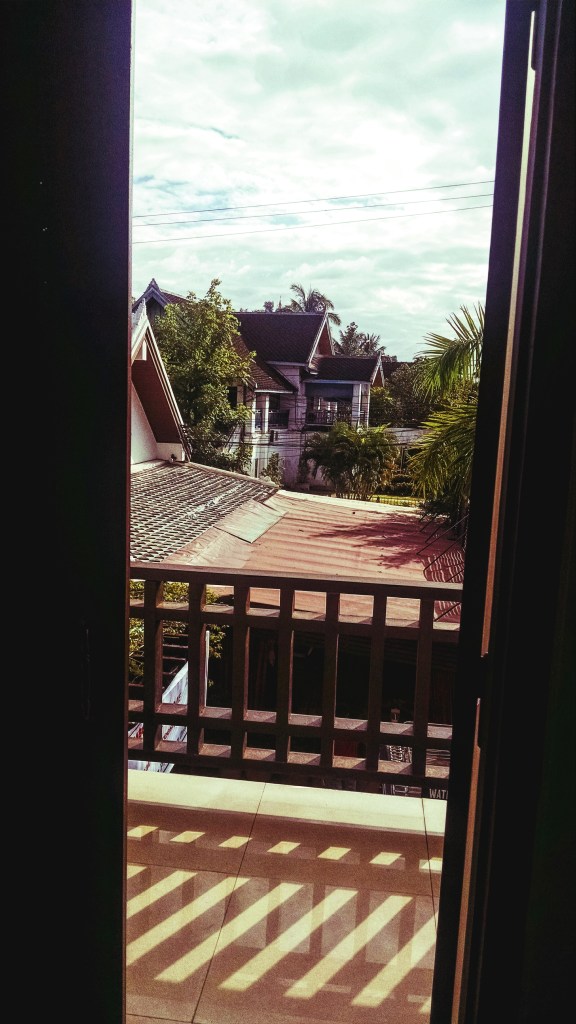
{"x":240,"y":103}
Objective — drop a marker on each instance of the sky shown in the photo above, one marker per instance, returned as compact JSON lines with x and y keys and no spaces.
{"x":347,"y":147}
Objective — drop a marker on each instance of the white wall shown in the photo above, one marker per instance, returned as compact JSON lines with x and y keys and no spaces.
{"x":143,"y":447}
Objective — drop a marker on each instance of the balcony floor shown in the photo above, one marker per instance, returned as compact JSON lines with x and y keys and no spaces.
{"x":260,"y":903}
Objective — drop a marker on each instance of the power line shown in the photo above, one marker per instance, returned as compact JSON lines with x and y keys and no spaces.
{"x":372,"y":206}
{"x":301,"y":227}
{"x":322,"y":199}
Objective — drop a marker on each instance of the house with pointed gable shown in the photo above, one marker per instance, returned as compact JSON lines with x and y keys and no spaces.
{"x":299,"y":384}
{"x":174,"y":501}
{"x":156,"y":423}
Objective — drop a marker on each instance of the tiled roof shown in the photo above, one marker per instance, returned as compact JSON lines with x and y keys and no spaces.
{"x":172,"y":297}
{"x":267,"y":378}
{"x":264,"y":376}
{"x":172,"y":504}
{"x":281,"y":337}
{"x":346,"y":367}
{"x":154,"y":294}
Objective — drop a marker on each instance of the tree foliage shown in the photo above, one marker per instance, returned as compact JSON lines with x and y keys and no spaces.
{"x":311,"y":301}
{"x":355,"y":462}
{"x":196,"y":340}
{"x":274,"y":470}
{"x":171,"y":592}
{"x":382,"y":408}
{"x":402,"y":402}
{"x":451,"y":361}
{"x":441,"y":462}
{"x":354,"y":342}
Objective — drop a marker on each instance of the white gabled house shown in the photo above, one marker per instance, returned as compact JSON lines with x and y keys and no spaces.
{"x":173,"y":501}
{"x":320,"y":387}
{"x":156,"y":423}
{"x":299,"y":385}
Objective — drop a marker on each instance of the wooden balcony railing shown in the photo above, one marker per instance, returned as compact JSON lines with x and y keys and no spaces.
{"x":238,"y":739}
{"x":278,"y":418}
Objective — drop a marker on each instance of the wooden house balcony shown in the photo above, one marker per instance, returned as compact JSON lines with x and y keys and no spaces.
{"x":275,"y":874}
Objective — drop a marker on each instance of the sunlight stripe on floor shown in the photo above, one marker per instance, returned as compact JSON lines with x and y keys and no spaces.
{"x":175,"y":922}
{"x":157,"y":891}
{"x":398,"y":967}
{"x":275,"y":951}
{"x":312,"y":982}
{"x":182,"y":968}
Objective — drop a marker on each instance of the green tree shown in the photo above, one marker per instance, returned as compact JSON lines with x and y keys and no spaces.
{"x":382,"y":407}
{"x":274,"y":470}
{"x":196,"y":340}
{"x":311,"y":301}
{"x":412,"y":403}
{"x":354,"y":342}
{"x":355,"y":462}
{"x":401,"y":402}
{"x":441,"y":461}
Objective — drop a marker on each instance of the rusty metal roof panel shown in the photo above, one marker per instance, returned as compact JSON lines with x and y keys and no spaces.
{"x":172,"y":504}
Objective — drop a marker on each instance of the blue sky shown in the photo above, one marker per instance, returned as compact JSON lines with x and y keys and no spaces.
{"x":347,"y":147}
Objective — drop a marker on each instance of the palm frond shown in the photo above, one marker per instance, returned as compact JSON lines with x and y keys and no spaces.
{"x":451,"y":361}
{"x":442,"y":460}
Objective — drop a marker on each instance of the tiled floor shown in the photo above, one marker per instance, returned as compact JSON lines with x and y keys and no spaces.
{"x":254,"y":903}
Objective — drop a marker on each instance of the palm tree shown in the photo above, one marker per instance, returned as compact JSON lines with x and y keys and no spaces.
{"x":453,"y":361}
{"x":311,"y":301}
{"x":441,"y":465}
{"x":371,"y":344}
{"x":354,"y":462}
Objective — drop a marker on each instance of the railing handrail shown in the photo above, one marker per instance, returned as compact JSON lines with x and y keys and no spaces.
{"x":310,"y":581}
{"x":240,"y":722}
{"x":278,"y":417}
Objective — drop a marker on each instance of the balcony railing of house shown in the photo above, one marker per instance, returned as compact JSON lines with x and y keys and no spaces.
{"x":278,"y":418}
{"x":243,"y":740}
{"x":327,"y":417}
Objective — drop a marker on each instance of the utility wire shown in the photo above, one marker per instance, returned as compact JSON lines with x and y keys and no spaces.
{"x":301,"y":227}
{"x":322,"y":199}
{"x":326,"y":209}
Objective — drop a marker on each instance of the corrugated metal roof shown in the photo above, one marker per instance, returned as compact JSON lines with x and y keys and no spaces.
{"x":335,"y":537}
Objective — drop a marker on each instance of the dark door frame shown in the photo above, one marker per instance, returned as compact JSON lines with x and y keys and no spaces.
{"x":67,"y":126}
{"x":513,"y":931}
{"x":66,"y":69}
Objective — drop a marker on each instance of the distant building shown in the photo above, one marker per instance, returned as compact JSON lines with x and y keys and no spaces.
{"x":299,"y":385}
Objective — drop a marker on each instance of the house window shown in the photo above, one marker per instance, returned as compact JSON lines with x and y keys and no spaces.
{"x":277,"y":417}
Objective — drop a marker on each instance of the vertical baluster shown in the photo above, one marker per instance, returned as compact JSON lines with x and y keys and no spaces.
{"x":240,"y":671}
{"x":153,"y":662}
{"x":284,"y":673}
{"x":375,"y":681}
{"x":196,"y":667}
{"x":422,"y":690}
{"x":330,"y":677}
